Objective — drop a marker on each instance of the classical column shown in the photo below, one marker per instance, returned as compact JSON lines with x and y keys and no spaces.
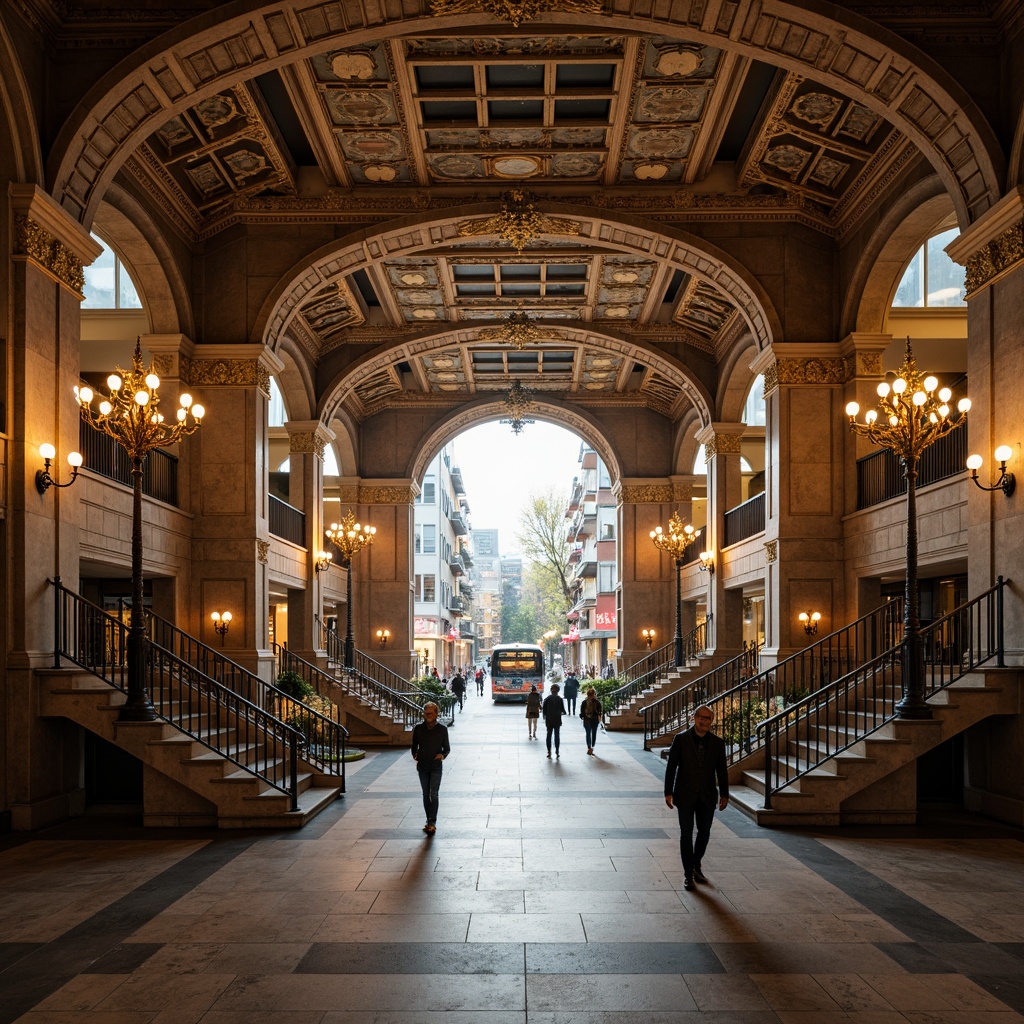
{"x":646,"y":575}
{"x":806,"y":434}
{"x":722,"y":447}
{"x":42,"y":757}
{"x":307,"y":440}
{"x":231,"y":536}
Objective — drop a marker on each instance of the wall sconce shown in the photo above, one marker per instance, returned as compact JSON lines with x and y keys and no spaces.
{"x":648,"y":635}
{"x":707,"y":562}
{"x":383,"y":636}
{"x":221,"y":622}
{"x":1005,"y":483}
{"x":43,"y":478}
{"x":810,"y":622}
{"x":322,"y":562}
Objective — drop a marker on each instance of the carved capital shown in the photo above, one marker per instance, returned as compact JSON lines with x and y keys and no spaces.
{"x":263,"y":551}
{"x":647,"y":494}
{"x":771,"y":550}
{"x":33,"y":242}
{"x":771,"y":378}
{"x":385,"y":495}
{"x":307,"y":444}
{"x":1003,"y":252}
{"x":814,"y":370}
{"x":230,"y":373}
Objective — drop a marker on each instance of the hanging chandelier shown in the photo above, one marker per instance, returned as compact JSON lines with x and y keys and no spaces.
{"x":518,"y":401}
{"x":519,"y":330}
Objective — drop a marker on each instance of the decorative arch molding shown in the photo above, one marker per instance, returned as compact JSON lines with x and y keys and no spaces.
{"x":298,"y":389}
{"x":885,"y":254}
{"x":735,"y":377}
{"x":21,"y":158}
{"x":623,"y":234}
{"x":686,"y":444}
{"x":125,"y":224}
{"x":196,"y":59}
{"x":488,"y":410}
{"x":345,"y":448}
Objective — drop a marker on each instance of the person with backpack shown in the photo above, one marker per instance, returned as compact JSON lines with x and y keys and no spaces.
{"x":592,"y":713}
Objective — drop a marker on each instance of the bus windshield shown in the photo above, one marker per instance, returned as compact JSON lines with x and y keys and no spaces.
{"x":514,"y":669}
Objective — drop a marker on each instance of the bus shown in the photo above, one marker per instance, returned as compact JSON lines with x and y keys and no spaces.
{"x":514,"y":669}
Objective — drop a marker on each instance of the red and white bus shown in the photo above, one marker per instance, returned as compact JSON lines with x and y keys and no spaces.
{"x":514,"y":669}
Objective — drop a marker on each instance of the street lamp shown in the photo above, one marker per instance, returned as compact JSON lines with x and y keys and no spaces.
{"x":674,"y":544}
{"x":131,"y":416}
{"x":912,"y":414}
{"x":350,"y":538}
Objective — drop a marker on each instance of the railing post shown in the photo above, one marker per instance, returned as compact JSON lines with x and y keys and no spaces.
{"x":56,"y":622}
{"x":767,"y":770}
{"x":1000,"y":659}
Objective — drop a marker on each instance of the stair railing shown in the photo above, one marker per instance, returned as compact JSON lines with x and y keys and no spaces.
{"x":742,"y":697}
{"x":200,"y":706}
{"x":674,"y":711}
{"x":325,"y":738}
{"x":832,"y":719}
{"x":380,"y":686}
{"x":643,"y":674}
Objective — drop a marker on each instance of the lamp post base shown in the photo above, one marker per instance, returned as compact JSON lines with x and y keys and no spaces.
{"x":913,"y":708}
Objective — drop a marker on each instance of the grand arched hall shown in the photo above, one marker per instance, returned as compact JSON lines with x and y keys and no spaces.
{"x":711,"y":240}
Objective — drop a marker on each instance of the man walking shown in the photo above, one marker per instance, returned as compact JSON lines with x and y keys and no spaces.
{"x":429,"y":748}
{"x":696,"y":760}
{"x":572,"y":689}
{"x":553,"y":709}
{"x":459,"y":688}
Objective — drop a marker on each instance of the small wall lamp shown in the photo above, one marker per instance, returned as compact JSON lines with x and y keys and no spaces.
{"x":810,"y":621}
{"x":383,"y":636}
{"x":648,"y":635}
{"x":43,"y":478}
{"x":221,"y":622}
{"x":707,"y":562}
{"x":322,"y":562}
{"x":1006,"y":482}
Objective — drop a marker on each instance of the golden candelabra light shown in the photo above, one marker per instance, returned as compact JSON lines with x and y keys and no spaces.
{"x":675,"y":544}
{"x":221,"y":624}
{"x":913,"y":413}
{"x":810,"y":620}
{"x":350,"y":537}
{"x":519,"y":330}
{"x":131,"y":416}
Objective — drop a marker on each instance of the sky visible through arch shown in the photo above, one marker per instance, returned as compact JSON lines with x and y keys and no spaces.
{"x":500,"y":470}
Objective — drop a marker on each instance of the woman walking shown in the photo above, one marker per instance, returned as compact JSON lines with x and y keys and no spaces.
{"x":591,"y":712}
{"x":532,"y":712}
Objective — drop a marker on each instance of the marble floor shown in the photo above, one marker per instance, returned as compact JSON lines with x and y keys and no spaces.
{"x":551,"y":894}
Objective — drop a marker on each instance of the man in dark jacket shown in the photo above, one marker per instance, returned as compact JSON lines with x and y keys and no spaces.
{"x":429,"y":749}
{"x":553,"y":709}
{"x":695,"y":760}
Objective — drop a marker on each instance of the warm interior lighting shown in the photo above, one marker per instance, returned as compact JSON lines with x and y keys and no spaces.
{"x":383,"y":636}
{"x":221,"y":622}
{"x":810,"y":621}
{"x":1005,"y":481}
{"x":322,"y":561}
{"x":648,"y":635}
{"x":43,"y":478}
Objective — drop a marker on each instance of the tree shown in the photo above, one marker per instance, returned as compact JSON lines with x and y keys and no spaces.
{"x":542,"y":536}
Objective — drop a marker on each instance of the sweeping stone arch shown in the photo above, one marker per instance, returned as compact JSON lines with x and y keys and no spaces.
{"x":882,"y":260}
{"x":442,"y":336}
{"x":126,"y":225}
{"x":735,"y":378}
{"x":490,"y":409}
{"x":21,"y":157}
{"x":414,"y":235}
{"x":298,"y":389}
{"x":220,"y":47}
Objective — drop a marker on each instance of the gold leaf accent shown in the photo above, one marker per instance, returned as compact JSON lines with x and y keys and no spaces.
{"x":813,"y":370}
{"x":263,"y":551}
{"x":230,"y":372}
{"x":514,"y":11}
{"x":771,"y":550}
{"x":647,"y":494}
{"x":307,"y":444}
{"x":518,"y":223}
{"x":53,"y":256}
{"x":385,"y":495}
{"x":994,"y":257}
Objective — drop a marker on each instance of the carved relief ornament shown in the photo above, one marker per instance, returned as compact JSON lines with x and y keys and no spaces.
{"x":230,"y":372}
{"x":812,"y":370}
{"x":385,"y":495}
{"x":1003,"y":252}
{"x":515,"y":11}
{"x":50,"y":254}
{"x":771,"y":550}
{"x":647,"y":494}
{"x":307,"y":444}
{"x":263,"y":551}
{"x":723,"y":444}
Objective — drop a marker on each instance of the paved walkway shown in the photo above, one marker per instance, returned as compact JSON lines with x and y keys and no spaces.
{"x":551,"y":894}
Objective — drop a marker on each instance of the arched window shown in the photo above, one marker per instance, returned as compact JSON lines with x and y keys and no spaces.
{"x":932,"y":279}
{"x":753,"y":408}
{"x":276,"y":412}
{"x":330,"y":463}
{"x":108,"y":285}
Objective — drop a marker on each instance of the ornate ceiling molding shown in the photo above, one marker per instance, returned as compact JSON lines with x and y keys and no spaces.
{"x":515,"y":11}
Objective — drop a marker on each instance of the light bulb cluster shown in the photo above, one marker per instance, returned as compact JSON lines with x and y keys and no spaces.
{"x":912,"y":412}
{"x":43,"y":478}
{"x":677,"y":540}
{"x":131,"y":412}
{"x":350,"y":537}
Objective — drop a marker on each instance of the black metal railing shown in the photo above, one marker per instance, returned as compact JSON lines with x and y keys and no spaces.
{"x":880,"y":475}
{"x":103,"y":455}
{"x":203,"y":708}
{"x":746,"y":520}
{"x":674,"y":711}
{"x":742,"y":703}
{"x":800,"y":737}
{"x":643,"y":674}
{"x":695,"y":547}
{"x":380,"y":686}
{"x":325,"y":736}
{"x":286,"y":521}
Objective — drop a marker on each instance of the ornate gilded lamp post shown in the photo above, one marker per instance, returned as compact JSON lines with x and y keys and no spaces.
{"x":674,"y":544}
{"x":912,"y":414}
{"x":349,"y":537}
{"x":131,"y":416}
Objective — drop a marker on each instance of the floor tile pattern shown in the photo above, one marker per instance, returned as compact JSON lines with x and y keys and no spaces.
{"x":551,"y":894}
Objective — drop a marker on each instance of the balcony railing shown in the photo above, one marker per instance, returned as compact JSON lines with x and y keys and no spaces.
{"x":287,"y":522}
{"x":880,"y":475}
{"x":103,"y":455}
{"x":746,"y":520}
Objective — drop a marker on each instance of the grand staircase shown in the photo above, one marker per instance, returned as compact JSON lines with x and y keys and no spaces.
{"x":817,"y":740}
{"x":225,"y":749}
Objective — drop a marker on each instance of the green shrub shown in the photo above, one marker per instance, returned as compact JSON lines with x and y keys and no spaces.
{"x":294,"y":686}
